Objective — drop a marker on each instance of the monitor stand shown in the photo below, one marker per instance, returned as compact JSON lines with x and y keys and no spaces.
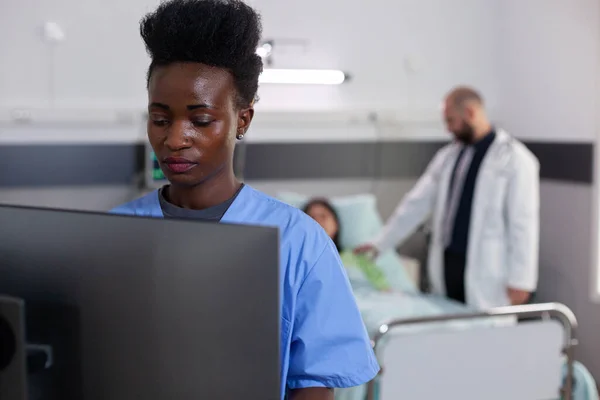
{"x":18,"y":359}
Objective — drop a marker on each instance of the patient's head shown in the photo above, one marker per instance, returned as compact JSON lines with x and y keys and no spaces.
{"x":324,"y":213}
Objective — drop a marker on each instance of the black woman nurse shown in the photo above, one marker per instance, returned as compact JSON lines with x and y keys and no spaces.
{"x":202,"y":83}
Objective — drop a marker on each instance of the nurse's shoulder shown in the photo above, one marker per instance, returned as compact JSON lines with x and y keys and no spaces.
{"x":329,"y":346}
{"x":302,"y":240}
{"x":147,"y":205}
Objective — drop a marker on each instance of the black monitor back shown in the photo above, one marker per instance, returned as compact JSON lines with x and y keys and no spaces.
{"x":140,"y":308}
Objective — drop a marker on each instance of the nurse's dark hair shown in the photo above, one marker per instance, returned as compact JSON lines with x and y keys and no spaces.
{"x":331,"y":209}
{"x":219,"y":33}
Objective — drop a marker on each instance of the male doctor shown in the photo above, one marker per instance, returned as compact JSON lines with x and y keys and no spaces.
{"x":482,"y":193}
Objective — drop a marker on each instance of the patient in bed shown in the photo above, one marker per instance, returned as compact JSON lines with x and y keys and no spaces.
{"x":363,"y":273}
{"x":380,"y":298}
{"x":382,"y":289}
{"x":382,"y":292}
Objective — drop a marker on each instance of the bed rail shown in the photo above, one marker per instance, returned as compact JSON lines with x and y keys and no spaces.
{"x":545,"y":311}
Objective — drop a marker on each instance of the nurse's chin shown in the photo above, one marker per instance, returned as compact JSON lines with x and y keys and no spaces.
{"x":185,"y":179}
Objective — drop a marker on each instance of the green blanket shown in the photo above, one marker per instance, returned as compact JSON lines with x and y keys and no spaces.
{"x":364,"y":273}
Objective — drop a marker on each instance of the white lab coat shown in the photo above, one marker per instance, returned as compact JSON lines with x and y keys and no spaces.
{"x":504,"y":229}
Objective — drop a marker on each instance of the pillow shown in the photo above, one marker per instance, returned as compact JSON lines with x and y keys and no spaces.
{"x":361,"y":222}
{"x":359,"y":218}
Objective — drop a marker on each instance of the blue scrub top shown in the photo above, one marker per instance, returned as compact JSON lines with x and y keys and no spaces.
{"x":324,"y":342}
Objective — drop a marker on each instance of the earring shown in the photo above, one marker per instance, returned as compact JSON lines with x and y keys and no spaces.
{"x":240,"y":135}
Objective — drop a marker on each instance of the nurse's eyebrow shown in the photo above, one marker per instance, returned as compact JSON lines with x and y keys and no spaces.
{"x":189,"y":107}
{"x":196,"y":106}
{"x":160,"y":105}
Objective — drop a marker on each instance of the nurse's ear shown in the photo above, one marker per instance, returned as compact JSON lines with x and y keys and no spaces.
{"x":245,"y":116}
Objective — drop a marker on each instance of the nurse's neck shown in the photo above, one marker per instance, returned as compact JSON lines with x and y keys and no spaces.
{"x":215,"y":190}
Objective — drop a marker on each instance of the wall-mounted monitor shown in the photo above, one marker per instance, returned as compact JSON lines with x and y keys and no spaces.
{"x":155,"y":177}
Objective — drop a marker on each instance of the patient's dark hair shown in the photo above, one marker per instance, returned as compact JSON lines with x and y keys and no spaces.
{"x":329,"y":207}
{"x":219,"y":33}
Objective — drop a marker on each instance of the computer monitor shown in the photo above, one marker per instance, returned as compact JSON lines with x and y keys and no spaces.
{"x":142,"y":308}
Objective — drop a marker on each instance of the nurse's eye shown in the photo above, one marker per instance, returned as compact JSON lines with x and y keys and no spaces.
{"x":159,"y":120}
{"x":201,"y":123}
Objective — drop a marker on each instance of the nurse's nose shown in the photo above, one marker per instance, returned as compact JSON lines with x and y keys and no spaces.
{"x":179,"y":136}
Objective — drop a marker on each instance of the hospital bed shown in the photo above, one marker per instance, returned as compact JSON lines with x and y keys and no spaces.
{"x":434,"y":348}
{"x":517,"y":360}
{"x":444,"y":350}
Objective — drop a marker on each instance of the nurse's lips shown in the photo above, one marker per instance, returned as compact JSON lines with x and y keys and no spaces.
{"x":178,"y":164}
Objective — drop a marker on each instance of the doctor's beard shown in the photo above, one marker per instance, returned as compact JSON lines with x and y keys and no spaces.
{"x":465,"y":134}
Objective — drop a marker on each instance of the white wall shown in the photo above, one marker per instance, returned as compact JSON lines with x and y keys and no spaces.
{"x":548,"y":59}
{"x":566,"y":259}
{"x":451,"y":41}
{"x":102,"y":63}
{"x":550,"y":52}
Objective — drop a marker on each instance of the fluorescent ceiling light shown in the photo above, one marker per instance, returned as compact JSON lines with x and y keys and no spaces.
{"x":303,"y":76}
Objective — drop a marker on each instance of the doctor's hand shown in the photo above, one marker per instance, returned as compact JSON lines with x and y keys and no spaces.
{"x":517,"y":296}
{"x":368,"y":250}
